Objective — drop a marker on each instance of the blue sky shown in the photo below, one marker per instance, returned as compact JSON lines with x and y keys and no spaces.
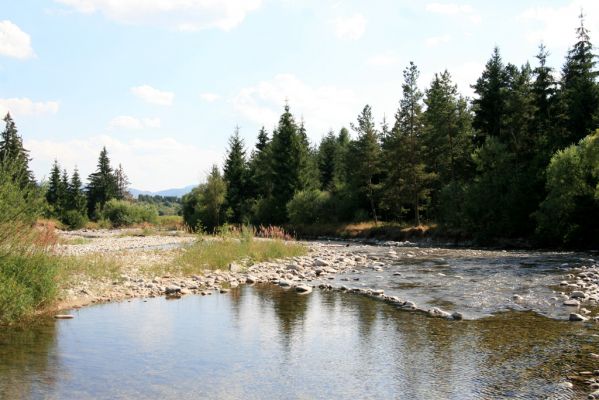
{"x":163,"y":83}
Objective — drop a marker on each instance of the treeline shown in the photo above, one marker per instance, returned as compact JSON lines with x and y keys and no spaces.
{"x":520,"y":160}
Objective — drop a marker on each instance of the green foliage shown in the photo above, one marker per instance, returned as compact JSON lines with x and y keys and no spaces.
{"x":13,"y":155}
{"x":125,"y":213}
{"x":74,"y":219}
{"x":203,"y":207}
{"x":236,"y":175}
{"x":570,"y":212}
{"x":310,"y":207}
{"x":102,"y":187}
{"x":166,"y":205}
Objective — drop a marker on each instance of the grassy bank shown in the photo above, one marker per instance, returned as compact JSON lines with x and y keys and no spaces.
{"x":213,"y":253}
{"x":367,"y":230}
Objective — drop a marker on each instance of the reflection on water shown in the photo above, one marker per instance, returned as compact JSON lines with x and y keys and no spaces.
{"x":263,"y":342}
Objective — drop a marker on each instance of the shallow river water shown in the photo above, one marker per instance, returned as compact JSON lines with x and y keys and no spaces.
{"x":262,"y":342}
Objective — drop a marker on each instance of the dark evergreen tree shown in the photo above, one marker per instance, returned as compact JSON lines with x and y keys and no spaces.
{"x":447,"y":136}
{"x":13,"y":155}
{"x":52,"y":194}
{"x":407,"y":180}
{"x":236,"y":175}
{"x":365,"y":153}
{"x":489,"y":104}
{"x":286,"y":165}
{"x":327,"y":159}
{"x":122,"y":183}
{"x":260,"y":172}
{"x":102,"y":185}
{"x":76,"y":196}
{"x":578,"y":89}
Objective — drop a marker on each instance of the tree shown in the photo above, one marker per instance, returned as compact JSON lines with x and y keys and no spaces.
{"x":76,"y":196}
{"x":52,"y":194}
{"x":102,"y":185}
{"x":544,"y":90}
{"x":122,"y":184}
{"x":203,"y":207}
{"x":235,"y":175}
{"x":13,"y":155}
{"x":579,"y":93}
{"x":327,"y":160}
{"x":489,"y":103}
{"x":63,"y":193}
{"x":365,"y":152}
{"x":260,"y":172}
{"x":446,"y":135}
{"x":407,"y":181}
{"x":286,"y":165}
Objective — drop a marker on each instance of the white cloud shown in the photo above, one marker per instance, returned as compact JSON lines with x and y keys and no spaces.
{"x":437,"y":40}
{"x":151,"y":164}
{"x":154,"y":96}
{"x":351,"y":27}
{"x":556,"y":25}
{"x":322,"y":107}
{"x":14,"y":42}
{"x":452,"y":9}
{"x":465,"y":75}
{"x":384,"y":60}
{"x":26,"y":107}
{"x":184,"y":15}
{"x":129,"y":122}
{"x":209,"y":97}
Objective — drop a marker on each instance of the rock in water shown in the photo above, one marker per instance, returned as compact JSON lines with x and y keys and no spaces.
{"x":303,"y":289}
{"x":572,"y":303}
{"x":172,"y":290}
{"x":64,"y":316}
{"x":577,"y":317}
{"x":457,"y":316}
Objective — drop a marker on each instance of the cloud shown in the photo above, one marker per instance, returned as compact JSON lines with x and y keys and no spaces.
{"x":153,"y":96}
{"x":26,"y":107}
{"x":149,"y":163}
{"x":384,"y":59}
{"x":555,"y":25}
{"x":128,"y":122}
{"x":351,"y":27}
{"x":437,"y":40}
{"x":183,"y":15}
{"x":209,"y":97}
{"x":323,"y":107}
{"x":14,"y":42}
{"x":452,"y":9}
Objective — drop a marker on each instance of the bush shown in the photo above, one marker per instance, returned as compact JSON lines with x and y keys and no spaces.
{"x":74,"y":219}
{"x":124,"y":213}
{"x":310,"y":207}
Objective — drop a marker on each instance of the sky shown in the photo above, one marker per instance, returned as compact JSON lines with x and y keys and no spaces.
{"x":163,"y":83}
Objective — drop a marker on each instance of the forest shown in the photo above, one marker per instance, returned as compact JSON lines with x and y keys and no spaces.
{"x":519,"y":160}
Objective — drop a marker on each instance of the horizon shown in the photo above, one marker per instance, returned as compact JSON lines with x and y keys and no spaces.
{"x":78,"y":75}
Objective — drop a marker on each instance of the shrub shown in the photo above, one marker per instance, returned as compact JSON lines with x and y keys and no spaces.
{"x":310,"y":207}
{"x":73,"y":219}
{"x":124,"y":213}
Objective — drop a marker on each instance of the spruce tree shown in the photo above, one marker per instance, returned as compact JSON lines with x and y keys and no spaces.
{"x":546,"y":107}
{"x":327,"y":159}
{"x":365,"y":153}
{"x":260,"y":173}
{"x":235,"y":175}
{"x":13,"y":155}
{"x":309,"y":175}
{"x":286,"y":164}
{"x":52,"y":194}
{"x":489,"y":103}
{"x":446,"y":136}
{"x":76,"y":197}
{"x":63,"y":194}
{"x":407,"y":180}
{"x":122,"y":183}
{"x":578,"y":89}
{"x":102,"y":185}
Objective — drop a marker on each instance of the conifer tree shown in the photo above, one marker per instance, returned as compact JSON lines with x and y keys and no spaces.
{"x":52,"y":194}
{"x":327,"y":159}
{"x":260,"y":173}
{"x":102,"y":185}
{"x":578,"y":89}
{"x":76,"y":197}
{"x":365,"y":153}
{"x":407,"y":180}
{"x":122,"y":183}
{"x":235,"y":175}
{"x":286,"y":164}
{"x":13,"y":155}
{"x":63,"y":193}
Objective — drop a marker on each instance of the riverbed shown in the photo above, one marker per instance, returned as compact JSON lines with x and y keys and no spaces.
{"x":343,"y":339}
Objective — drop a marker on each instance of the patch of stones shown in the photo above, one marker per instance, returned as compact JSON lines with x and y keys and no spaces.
{"x":581,"y":290}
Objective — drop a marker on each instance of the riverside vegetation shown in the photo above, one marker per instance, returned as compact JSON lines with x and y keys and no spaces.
{"x":518,"y":161}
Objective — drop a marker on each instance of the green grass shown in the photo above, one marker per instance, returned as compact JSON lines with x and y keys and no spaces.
{"x":75,"y":241}
{"x":28,"y":282}
{"x":73,"y":269}
{"x":218,"y":253}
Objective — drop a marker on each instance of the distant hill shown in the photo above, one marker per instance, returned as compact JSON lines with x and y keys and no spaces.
{"x":168,"y":192}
